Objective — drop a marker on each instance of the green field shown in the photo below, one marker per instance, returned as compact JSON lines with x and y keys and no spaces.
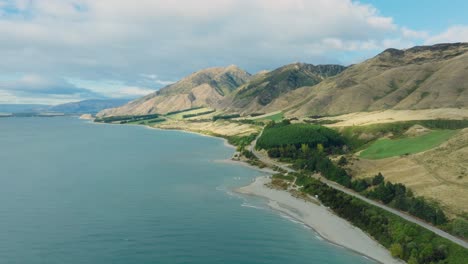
{"x":276,"y":117}
{"x":385,"y":148}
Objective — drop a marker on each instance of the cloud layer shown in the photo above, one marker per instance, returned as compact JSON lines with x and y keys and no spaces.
{"x":144,"y":44}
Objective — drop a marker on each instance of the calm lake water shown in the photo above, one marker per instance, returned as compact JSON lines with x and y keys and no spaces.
{"x":76,"y":192}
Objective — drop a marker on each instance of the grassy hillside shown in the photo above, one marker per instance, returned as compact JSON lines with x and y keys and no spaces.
{"x":204,"y":88}
{"x":438,"y":171}
{"x":360,"y":136}
{"x":417,"y":78}
{"x":264,"y":88}
{"x":275,"y":117}
{"x":384,"y":148}
{"x":424,"y":77}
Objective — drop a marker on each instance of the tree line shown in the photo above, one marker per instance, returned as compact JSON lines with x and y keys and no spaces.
{"x":314,"y":159}
{"x":284,"y":134}
{"x":405,"y":240}
{"x":125,"y":119}
{"x":401,"y":198}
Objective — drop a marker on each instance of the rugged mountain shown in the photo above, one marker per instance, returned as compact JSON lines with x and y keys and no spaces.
{"x":266,"y":87}
{"x":87,"y":106}
{"x":421,"y":77}
{"x":203,"y":88}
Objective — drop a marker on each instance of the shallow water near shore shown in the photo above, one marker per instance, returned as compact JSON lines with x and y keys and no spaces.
{"x":76,"y":192}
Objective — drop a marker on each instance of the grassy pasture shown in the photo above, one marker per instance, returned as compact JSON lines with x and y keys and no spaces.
{"x":276,"y":117}
{"x":385,"y":148}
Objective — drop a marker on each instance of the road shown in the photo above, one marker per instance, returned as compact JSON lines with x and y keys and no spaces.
{"x":267,"y":160}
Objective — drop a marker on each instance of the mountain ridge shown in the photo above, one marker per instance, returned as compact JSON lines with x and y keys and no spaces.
{"x":421,"y":77}
{"x":265,"y":88}
{"x":202,"y":88}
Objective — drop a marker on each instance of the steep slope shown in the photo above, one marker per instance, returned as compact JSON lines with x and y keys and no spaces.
{"x":267,"y":87}
{"x":202,"y":88}
{"x":88,"y":106}
{"x":422,"y":77}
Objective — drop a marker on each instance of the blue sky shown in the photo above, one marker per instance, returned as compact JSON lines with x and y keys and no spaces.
{"x":55,"y":51}
{"x":431,"y":15}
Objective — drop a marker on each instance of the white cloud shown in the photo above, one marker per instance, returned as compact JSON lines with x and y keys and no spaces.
{"x":118,"y":40}
{"x":95,"y":39}
{"x":452,"y":34}
{"x":154,"y":78}
{"x":9,"y":97}
{"x":40,"y":84}
{"x":132,"y":92}
{"x":414,"y":34}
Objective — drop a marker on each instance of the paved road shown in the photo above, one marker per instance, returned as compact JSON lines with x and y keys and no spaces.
{"x":267,"y":160}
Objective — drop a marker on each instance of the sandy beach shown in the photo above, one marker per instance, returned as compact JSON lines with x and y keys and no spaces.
{"x":323,"y":221}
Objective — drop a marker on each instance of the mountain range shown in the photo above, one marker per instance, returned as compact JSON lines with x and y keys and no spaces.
{"x":203,"y":88}
{"x":422,"y":77}
{"x":91,"y":106}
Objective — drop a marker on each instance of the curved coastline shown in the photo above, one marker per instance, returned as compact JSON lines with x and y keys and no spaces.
{"x":367,"y":247}
{"x":325,"y":223}
{"x":300,"y":210}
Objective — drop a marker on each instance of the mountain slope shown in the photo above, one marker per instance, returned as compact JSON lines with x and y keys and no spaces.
{"x":264,"y":88}
{"x":422,"y":77}
{"x":202,"y":88}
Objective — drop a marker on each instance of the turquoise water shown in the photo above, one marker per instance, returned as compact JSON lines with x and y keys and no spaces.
{"x":76,"y":192}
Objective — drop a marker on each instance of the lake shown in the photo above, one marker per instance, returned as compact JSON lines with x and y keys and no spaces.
{"x":72,"y":191}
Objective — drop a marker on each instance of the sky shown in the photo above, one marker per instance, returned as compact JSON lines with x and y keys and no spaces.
{"x":56,"y":51}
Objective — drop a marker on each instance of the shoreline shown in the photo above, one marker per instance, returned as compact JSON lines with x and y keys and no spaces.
{"x":225,"y":141}
{"x":245,"y":164}
{"x":326,"y":224}
{"x":283,"y":202}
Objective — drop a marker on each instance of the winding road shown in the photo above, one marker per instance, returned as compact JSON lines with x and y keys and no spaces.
{"x":267,"y":160}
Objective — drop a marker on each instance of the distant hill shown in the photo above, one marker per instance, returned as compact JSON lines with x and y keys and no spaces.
{"x":266,"y":87}
{"x":87,"y":106}
{"x":21,"y":108}
{"x":203,"y":88}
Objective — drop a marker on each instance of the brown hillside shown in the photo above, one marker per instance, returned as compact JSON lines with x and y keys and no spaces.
{"x":202,"y":88}
{"x":265,"y":91}
{"x":422,"y":77}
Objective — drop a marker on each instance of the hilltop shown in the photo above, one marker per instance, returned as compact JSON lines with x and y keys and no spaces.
{"x":263,"y":89}
{"x":203,"y":88}
{"x":423,"y":77}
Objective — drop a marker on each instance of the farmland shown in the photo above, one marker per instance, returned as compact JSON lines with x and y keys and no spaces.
{"x":384,"y":148}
